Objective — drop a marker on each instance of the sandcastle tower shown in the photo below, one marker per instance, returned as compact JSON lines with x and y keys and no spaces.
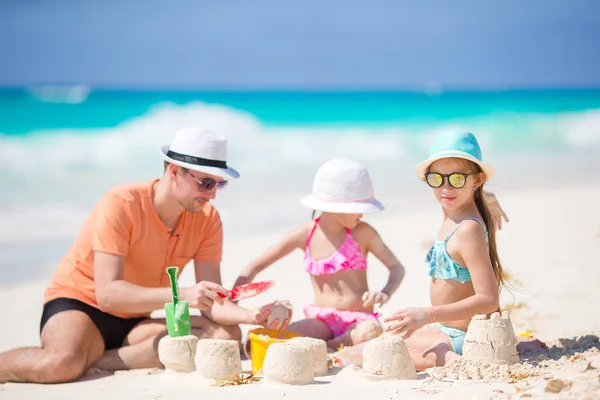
{"x":387,"y":358}
{"x":317,"y":349}
{"x":289,"y":363}
{"x":491,"y":340}
{"x":177,"y":353}
{"x":218,"y":359}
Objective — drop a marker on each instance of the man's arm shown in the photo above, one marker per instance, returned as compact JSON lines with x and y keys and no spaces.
{"x":117,"y":295}
{"x":228,"y":313}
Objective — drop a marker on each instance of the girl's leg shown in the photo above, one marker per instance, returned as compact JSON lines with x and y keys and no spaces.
{"x":358,"y":333}
{"x":430,"y":348}
{"x":311,"y":327}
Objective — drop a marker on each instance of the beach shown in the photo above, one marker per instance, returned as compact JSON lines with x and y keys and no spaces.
{"x":550,"y":249}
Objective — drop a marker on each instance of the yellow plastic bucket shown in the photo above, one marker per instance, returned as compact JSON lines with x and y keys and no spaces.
{"x":260,"y":340}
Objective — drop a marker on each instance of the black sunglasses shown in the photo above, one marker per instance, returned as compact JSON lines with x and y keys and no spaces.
{"x":456,"y":179}
{"x":207,"y":184}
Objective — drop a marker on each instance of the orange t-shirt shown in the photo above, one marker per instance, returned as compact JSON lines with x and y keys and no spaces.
{"x":124,"y":222}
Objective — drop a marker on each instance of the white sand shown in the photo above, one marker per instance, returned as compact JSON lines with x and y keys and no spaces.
{"x":551,"y":246}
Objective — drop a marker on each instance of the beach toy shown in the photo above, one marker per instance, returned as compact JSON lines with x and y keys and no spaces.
{"x":387,"y":358}
{"x":177,"y":312}
{"x":491,"y":340}
{"x":217,"y":358}
{"x":527,"y":333}
{"x":289,"y":363}
{"x":177,"y":353}
{"x":260,"y":340}
{"x":317,"y":349}
{"x":248,"y":290}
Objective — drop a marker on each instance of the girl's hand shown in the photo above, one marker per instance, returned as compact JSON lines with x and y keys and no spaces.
{"x":409,"y":320}
{"x":371,"y":298}
{"x":261,"y":317}
{"x":495,"y":209}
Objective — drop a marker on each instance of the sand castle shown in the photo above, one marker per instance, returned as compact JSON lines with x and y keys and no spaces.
{"x":386,"y":358}
{"x":218,"y":359}
{"x":177,"y":353}
{"x":288,"y":363}
{"x":491,"y":340}
{"x":317,"y":349}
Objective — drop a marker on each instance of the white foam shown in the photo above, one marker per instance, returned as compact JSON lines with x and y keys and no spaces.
{"x":51,"y":179}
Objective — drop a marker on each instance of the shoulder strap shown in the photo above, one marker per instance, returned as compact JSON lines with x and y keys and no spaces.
{"x":467,"y":219}
{"x":312,"y":231}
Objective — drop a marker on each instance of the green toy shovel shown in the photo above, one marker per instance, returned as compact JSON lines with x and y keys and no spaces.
{"x":177,"y":312}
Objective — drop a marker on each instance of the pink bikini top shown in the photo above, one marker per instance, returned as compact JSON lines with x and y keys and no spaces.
{"x":347,"y":257}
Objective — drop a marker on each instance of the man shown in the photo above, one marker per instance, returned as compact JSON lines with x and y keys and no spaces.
{"x":97,"y":306}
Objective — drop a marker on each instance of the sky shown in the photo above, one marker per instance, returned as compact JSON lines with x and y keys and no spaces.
{"x":300,"y":44}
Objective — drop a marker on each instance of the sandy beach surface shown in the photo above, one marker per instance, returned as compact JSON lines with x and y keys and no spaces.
{"x":551,"y":248}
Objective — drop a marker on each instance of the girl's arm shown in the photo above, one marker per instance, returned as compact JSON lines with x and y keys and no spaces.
{"x":474,"y":254}
{"x":291,"y":241}
{"x":378,"y":248}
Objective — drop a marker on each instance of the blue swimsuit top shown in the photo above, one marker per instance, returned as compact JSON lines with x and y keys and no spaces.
{"x":442,"y":266}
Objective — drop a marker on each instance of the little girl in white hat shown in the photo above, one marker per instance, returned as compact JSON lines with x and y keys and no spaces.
{"x":336,"y":246}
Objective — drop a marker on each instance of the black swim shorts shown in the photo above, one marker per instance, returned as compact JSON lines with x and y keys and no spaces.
{"x":113,"y":329}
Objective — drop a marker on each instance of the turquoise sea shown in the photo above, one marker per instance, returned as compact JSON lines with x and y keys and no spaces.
{"x":62,"y":147}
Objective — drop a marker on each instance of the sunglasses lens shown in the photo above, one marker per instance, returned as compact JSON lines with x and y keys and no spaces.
{"x":457,"y":180}
{"x":207,"y":184}
{"x":434,"y":180}
{"x":221,"y":184}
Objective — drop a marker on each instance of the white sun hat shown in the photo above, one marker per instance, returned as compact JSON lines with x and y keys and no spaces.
{"x":342,"y":186}
{"x":199,"y":150}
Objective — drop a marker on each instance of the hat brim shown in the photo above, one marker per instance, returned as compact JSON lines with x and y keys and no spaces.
{"x":222,"y":172}
{"x":422,"y":167}
{"x":359,"y":207}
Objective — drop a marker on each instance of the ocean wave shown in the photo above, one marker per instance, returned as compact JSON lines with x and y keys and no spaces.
{"x":134,"y":143}
{"x":51,"y":179}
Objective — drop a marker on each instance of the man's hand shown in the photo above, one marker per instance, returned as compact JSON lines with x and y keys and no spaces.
{"x":497,"y":212}
{"x":203,"y":295}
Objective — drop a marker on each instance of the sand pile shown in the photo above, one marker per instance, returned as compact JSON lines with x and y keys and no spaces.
{"x":387,"y":357}
{"x":572,"y":368}
{"x":288,"y":363}
{"x":218,"y":359}
{"x":177,"y":353}
{"x":463,"y":369}
{"x":317,"y":349}
{"x":491,"y":340}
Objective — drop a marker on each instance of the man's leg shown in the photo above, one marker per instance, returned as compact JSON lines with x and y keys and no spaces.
{"x":70,"y":344}
{"x":140,"y":349}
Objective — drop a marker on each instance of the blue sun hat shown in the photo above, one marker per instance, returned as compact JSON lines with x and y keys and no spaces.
{"x":455,"y":144}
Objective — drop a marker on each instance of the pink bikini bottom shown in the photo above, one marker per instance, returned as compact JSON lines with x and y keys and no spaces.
{"x":338,"y":320}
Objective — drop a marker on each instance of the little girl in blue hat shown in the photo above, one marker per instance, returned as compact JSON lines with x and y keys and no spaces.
{"x":463,"y":262}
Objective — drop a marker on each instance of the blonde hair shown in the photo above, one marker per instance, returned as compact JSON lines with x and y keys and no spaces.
{"x":486,"y":215}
